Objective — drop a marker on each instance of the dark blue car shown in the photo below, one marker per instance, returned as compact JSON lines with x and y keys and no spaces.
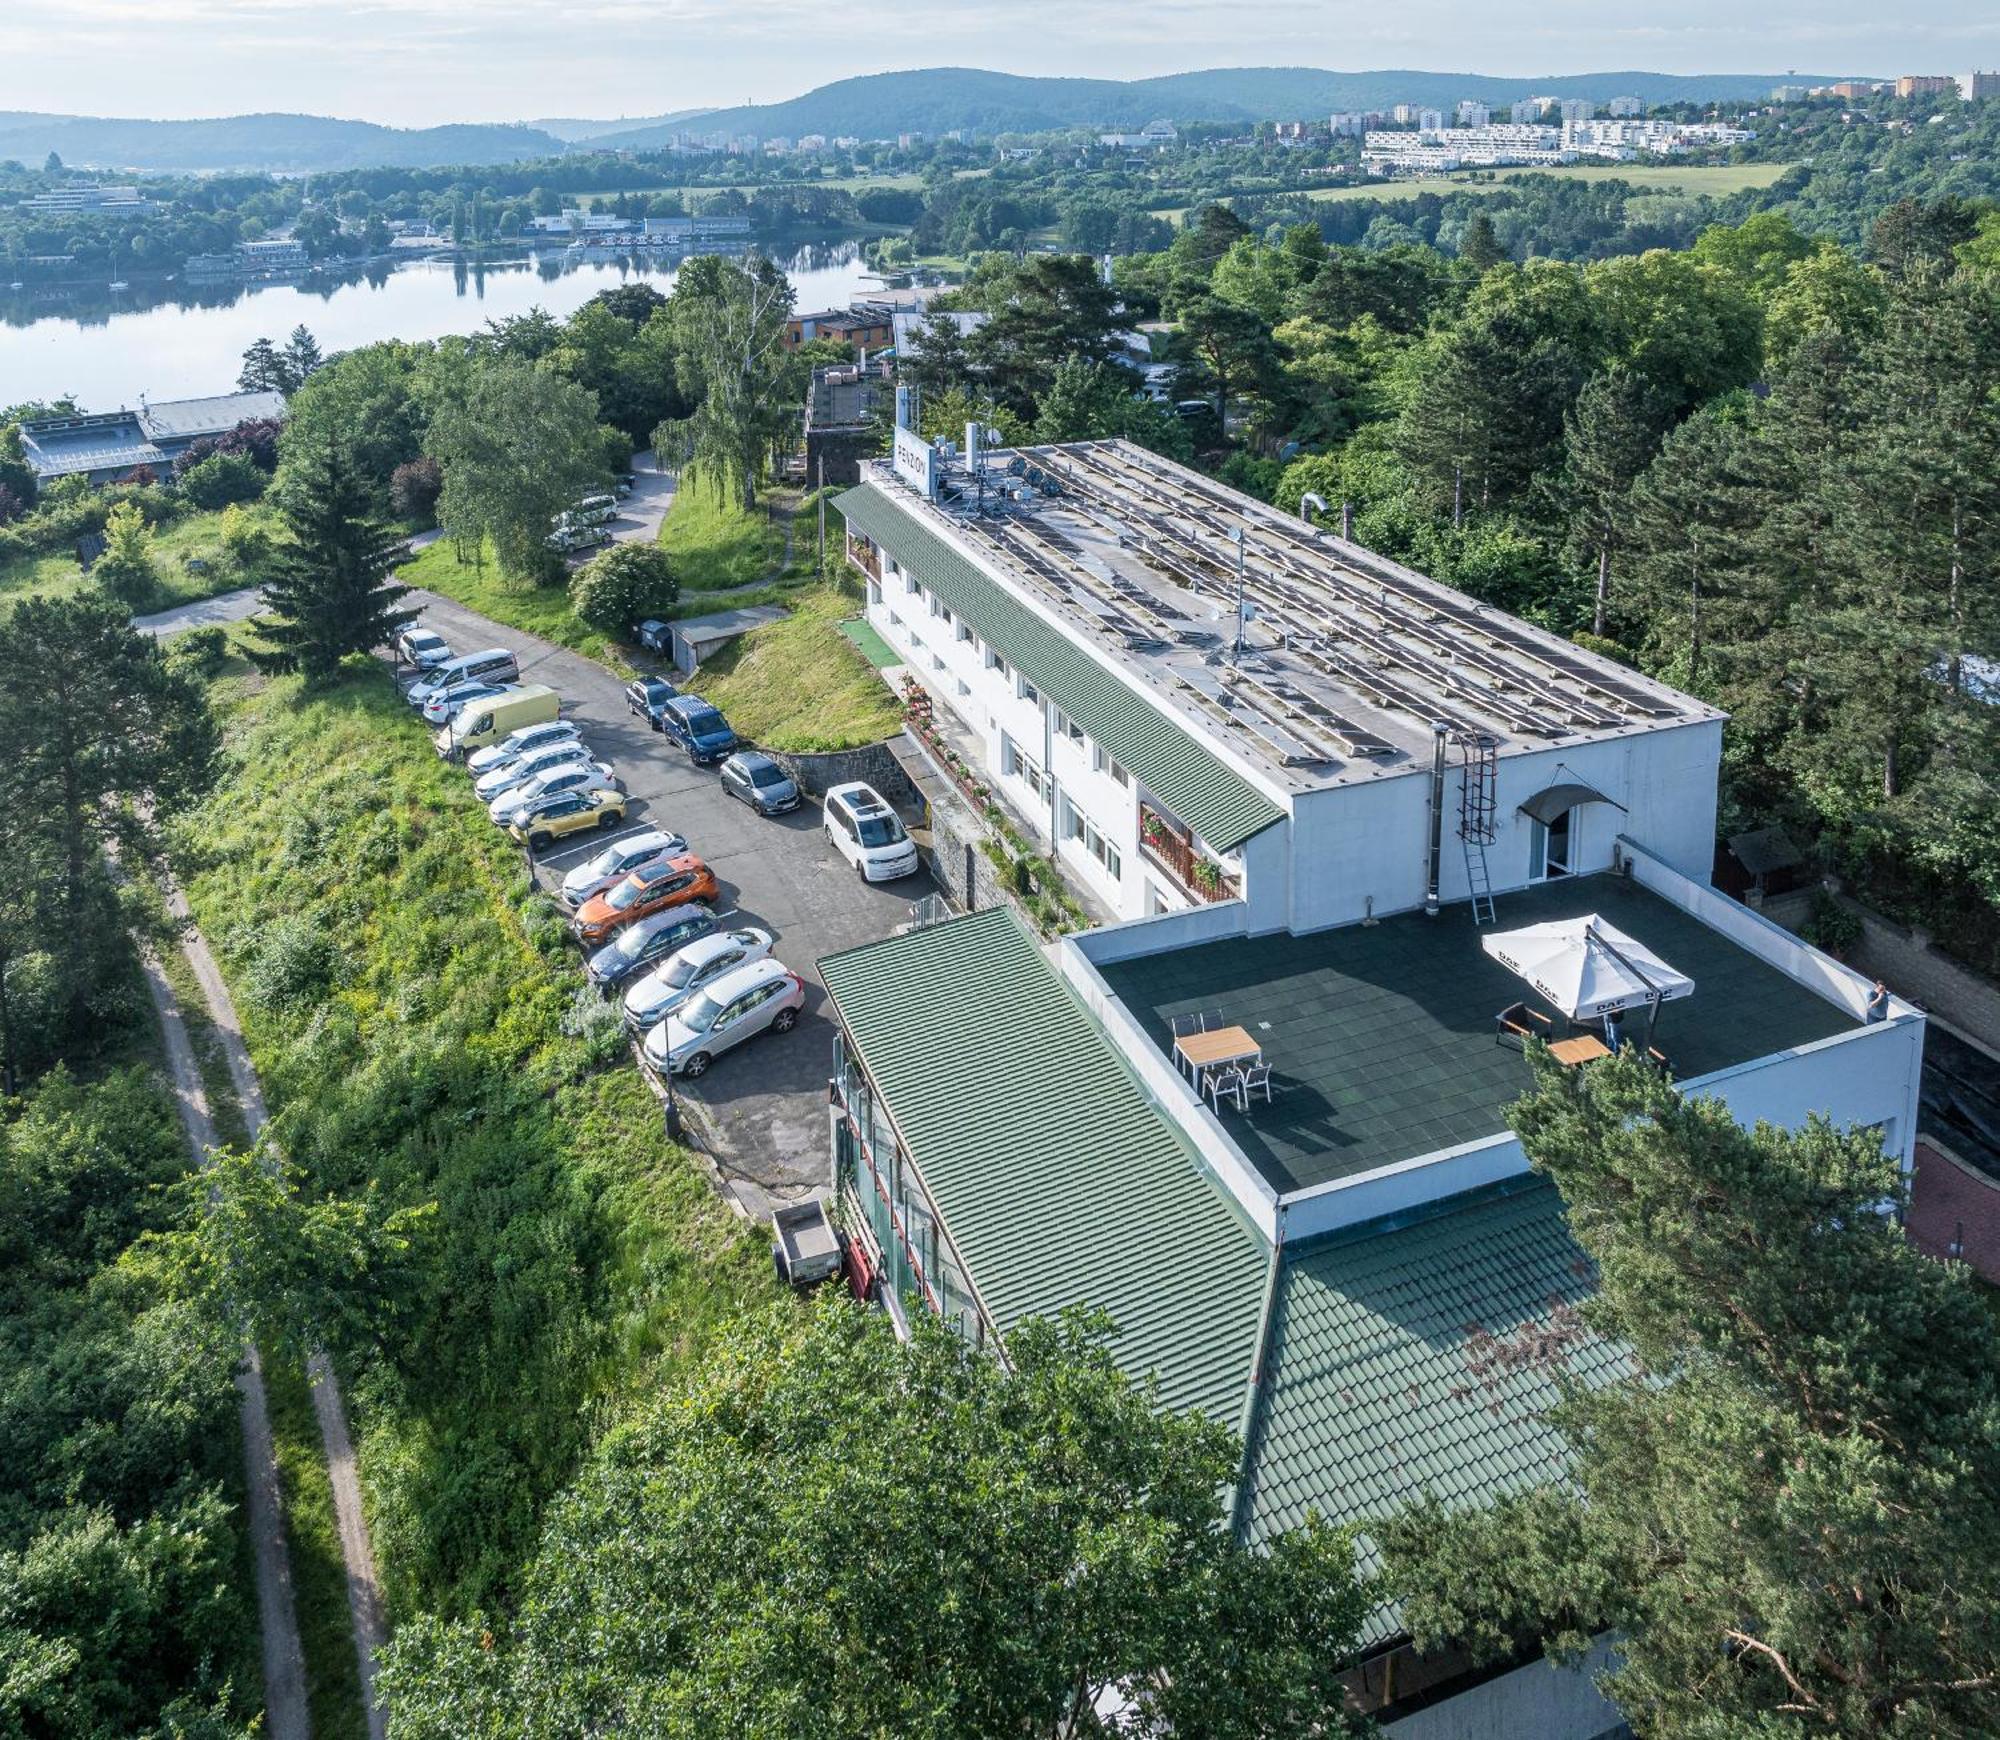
{"x":698,"y":728}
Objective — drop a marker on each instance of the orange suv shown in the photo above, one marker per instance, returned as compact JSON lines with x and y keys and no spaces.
{"x":651,"y":888}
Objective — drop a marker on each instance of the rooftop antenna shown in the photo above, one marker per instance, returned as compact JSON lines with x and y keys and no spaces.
{"x":1236,"y":538}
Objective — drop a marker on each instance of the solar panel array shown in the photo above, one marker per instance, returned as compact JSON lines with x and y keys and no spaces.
{"x":1403,"y":646}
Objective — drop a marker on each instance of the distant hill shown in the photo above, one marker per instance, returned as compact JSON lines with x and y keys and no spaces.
{"x":577,"y":130}
{"x":279,"y":143}
{"x":941,"y":99}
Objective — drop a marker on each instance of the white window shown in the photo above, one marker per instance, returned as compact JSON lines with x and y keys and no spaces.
{"x":964,"y":688}
{"x":994,"y":662}
{"x":964,"y":633}
{"x":874,"y":592}
{"x":911,"y":586}
{"x":938,"y":608}
{"x":895,"y":621}
{"x":1102,"y":763}
{"x":1025,"y":689}
{"x":1024,"y":768}
{"x":1077,"y":826}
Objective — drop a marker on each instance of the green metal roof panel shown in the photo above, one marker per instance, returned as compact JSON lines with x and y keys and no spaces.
{"x":1223,"y":807}
{"x":1057,"y":1179}
{"x":1421,"y":1357}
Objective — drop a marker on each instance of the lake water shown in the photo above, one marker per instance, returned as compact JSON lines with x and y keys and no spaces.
{"x":169,"y":341}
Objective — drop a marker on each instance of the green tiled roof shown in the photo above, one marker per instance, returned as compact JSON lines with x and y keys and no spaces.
{"x":1058,"y":1180}
{"x":1220,"y":805}
{"x":1421,"y":1357}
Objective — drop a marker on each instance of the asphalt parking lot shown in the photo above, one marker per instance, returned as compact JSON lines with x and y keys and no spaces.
{"x":760,"y":1111}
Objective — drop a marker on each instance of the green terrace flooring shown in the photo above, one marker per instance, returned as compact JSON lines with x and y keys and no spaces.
{"x":1420,"y":1358}
{"x":877,"y":651}
{"x":1381,"y":1038}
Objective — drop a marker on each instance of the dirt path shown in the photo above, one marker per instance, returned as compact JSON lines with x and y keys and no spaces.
{"x":284,"y":1661}
{"x":364,"y":1592}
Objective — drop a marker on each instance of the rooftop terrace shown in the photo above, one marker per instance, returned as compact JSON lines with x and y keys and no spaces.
{"x":1349,"y":660}
{"x":1381,"y":1038}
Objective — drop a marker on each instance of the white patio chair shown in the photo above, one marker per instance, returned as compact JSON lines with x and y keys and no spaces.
{"x":1227,"y":1080}
{"x":1256,"y":1078}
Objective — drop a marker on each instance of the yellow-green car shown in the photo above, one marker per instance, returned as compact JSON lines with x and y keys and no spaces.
{"x":574,"y":811}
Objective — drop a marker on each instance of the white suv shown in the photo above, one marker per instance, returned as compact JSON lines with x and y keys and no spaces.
{"x":868,"y":833}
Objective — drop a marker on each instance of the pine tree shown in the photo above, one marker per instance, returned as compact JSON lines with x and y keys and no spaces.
{"x":264,"y":370}
{"x":1479,"y":247}
{"x":1610,"y":436}
{"x":302,"y":358}
{"x":332,"y":589}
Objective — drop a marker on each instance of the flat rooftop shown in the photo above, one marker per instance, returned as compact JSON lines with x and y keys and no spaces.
{"x":1381,"y":1038}
{"x":1349,"y":659}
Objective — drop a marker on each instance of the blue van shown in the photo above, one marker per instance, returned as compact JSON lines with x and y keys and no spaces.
{"x":698,"y":728}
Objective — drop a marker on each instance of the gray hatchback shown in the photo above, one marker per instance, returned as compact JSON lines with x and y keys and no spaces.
{"x":760,"y":782}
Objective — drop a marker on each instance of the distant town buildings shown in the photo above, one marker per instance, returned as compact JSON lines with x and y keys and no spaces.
{"x":1925,"y":84}
{"x":1976,"y":87}
{"x":1349,"y":123}
{"x":1620,"y":108}
{"x":1473,"y":114}
{"x":1154,"y":136}
{"x":1432,"y":151}
{"x":88,"y":196}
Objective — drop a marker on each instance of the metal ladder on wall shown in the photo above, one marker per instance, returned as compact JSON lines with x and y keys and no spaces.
{"x":1478,"y":816}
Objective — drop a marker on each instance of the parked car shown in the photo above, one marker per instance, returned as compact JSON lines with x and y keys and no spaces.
{"x":570,"y":539}
{"x":495,"y":665}
{"x":687,"y":970}
{"x":698,"y":728}
{"x":567,"y":777}
{"x":616,"y":862}
{"x":489,"y":786}
{"x":760,"y":782}
{"x":420,"y":647}
{"x":868,"y":833}
{"x":522,"y":742}
{"x":651,"y":888}
{"x":764,"y":995}
{"x":638,"y":946}
{"x":648,"y":697}
{"x":443,"y":706}
{"x":547,"y":820}
{"x":657,"y":636}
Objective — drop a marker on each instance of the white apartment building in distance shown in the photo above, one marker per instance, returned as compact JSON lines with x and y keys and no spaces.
{"x":1473,"y":114}
{"x":1623,"y":108}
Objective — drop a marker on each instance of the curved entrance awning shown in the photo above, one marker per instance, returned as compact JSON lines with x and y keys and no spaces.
{"x":1551,"y":801}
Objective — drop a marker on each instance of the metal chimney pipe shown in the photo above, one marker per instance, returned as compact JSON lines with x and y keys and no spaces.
{"x":1347,"y":522}
{"x":1440,"y":736}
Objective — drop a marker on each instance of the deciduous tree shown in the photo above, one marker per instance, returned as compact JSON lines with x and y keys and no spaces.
{"x":832,"y":1532}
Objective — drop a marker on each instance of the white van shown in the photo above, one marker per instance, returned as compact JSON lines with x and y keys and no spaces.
{"x":494,"y":665}
{"x":487,"y":722}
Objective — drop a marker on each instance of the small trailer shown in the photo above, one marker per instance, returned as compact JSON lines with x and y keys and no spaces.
{"x":805,"y":1248}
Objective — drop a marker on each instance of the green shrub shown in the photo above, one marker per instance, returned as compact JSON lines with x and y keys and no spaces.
{"x":201,"y":650}
{"x":223,"y":478}
{"x":624,"y":586}
{"x":1830,"y":926}
{"x":294,"y":964}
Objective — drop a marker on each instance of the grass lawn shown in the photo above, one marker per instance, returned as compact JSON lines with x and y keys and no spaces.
{"x":542,"y":610}
{"x":312,"y":1539}
{"x":1711,"y":178}
{"x":412,"y":1006}
{"x":714,"y":543}
{"x":198,"y":536}
{"x":801,"y":684}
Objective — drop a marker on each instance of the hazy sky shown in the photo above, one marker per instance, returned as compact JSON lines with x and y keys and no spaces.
{"x":413,"y":62}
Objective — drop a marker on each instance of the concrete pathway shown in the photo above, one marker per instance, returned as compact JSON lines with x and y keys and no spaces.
{"x":285,"y":1715}
{"x":203,"y":613}
{"x":364,"y":1592}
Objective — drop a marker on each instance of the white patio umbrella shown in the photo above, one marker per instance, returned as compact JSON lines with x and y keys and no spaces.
{"x":1588,"y":968}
